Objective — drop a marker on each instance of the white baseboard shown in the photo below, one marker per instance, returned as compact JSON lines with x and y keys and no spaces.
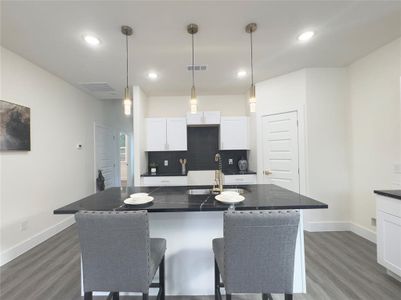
{"x":364,"y":232}
{"x":327,"y":226}
{"x":35,"y":240}
{"x":341,"y":226}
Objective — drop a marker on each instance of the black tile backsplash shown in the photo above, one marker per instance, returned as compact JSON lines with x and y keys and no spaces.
{"x":203,"y":144}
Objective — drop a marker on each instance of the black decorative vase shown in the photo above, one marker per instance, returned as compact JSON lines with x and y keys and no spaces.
{"x":100,"y":181}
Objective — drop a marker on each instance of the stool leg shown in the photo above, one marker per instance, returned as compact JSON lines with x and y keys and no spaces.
{"x":88,"y":296}
{"x":217,"y":295}
{"x":162,"y":280}
{"x":145,"y":296}
{"x":288,"y":297}
{"x":228,"y":296}
{"x":116,"y":296}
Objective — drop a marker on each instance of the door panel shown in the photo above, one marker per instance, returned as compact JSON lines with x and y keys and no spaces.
{"x":280,"y":150}
{"x":105,"y":147}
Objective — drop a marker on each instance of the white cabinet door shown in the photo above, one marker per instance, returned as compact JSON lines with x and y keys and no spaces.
{"x":389,"y":241}
{"x":211,"y":117}
{"x":156,"y":129}
{"x":240,"y":179}
{"x":204,"y":118}
{"x":234,"y":133}
{"x":176,"y":134}
{"x":164,"y":181}
{"x":195,"y":119}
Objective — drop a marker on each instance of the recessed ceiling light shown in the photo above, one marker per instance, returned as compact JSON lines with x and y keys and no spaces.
{"x":91,"y":40}
{"x":153,"y":75}
{"x":306,"y":36}
{"x":241,"y":74}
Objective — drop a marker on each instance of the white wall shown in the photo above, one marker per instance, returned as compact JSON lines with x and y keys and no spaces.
{"x":178,"y":106}
{"x":54,"y":173}
{"x":319,"y":96}
{"x":140,"y":107}
{"x":328,"y":144}
{"x":375,"y":128}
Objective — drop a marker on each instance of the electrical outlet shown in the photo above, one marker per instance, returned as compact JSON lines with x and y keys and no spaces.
{"x":373,"y":222}
{"x":230,"y":161}
{"x":24,"y":226}
{"x":166,"y":163}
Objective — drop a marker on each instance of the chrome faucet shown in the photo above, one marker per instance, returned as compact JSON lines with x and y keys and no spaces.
{"x":218,"y":175}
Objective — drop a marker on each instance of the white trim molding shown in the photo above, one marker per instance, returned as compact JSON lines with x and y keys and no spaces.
{"x":364,"y":232}
{"x":24,"y":246}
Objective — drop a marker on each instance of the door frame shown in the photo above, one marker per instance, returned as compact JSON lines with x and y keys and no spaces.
{"x":116,"y":159}
{"x":302,"y":144}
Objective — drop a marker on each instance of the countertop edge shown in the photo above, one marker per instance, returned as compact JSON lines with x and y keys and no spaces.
{"x":389,"y":193}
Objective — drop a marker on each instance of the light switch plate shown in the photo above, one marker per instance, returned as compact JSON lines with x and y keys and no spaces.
{"x":166,"y":163}
{"x":230,"y":161}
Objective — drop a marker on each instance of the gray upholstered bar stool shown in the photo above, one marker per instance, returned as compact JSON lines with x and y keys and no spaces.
{"x":117,"y":253}
{"x":257,"y":253}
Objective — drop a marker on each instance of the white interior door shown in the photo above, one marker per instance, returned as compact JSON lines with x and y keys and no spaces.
{"x":105,"y":155}
{"x":280,"y":150}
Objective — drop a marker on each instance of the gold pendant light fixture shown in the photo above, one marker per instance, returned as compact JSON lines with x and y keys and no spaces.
{"x":127,"y":102}
{"x":251,"y":28}
{"x":192,"y":29}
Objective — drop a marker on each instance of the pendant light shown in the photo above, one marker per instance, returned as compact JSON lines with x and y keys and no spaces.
{"x":192,"y":29}
{"x":251,"y":28}
{"x":127,"y":102}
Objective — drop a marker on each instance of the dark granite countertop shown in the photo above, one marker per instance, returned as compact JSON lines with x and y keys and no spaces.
{"x":237,"y":172}
{"x":176,"y":199}
{"x":396,"y":194}
{"x":180,"y":174}
{"x":163,"y":174}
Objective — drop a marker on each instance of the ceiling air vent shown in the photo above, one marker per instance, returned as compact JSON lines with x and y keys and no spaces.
{"x":197,"y":67}
{"x":97,"y":87}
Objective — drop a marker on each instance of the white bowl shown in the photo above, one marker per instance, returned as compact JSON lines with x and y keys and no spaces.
{"x":139,"y":195}
{"x":138,"y":200}
{"x":229,"y":194}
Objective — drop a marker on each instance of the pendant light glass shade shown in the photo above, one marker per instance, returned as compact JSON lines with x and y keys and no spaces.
{"x":193,"y":101}
{"x":127,"y":102}
{"x":252,"y":99}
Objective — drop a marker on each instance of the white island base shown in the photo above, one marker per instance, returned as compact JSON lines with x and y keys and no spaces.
{"x":189,"y":257}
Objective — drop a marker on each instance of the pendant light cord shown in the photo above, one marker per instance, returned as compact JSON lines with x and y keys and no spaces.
{"x":126,"y":45}
{"x":251,"y":56}
{"x":193,"y":61}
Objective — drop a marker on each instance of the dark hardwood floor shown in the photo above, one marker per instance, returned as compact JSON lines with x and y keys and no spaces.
{"x":339,"y":266}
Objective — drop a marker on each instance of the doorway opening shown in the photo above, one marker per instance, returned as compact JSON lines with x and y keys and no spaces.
{"x":123,"y":144}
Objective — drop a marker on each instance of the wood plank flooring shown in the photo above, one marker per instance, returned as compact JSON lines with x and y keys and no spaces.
{"x":339,"y":266}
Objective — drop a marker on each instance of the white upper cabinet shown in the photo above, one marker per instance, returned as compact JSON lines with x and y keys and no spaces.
{"x":204,"y":118}
{"x":166,"y":134}
{"x":176,"y":134}
{"x":234,"y":133}
{"x":156,"y":138}
{"x":211,"y":117}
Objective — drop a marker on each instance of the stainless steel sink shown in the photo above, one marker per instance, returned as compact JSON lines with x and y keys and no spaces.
{"x":209,"y":191}
{"x":199,"y":191}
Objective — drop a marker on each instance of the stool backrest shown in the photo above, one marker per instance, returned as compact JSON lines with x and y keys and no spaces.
{"x":259,"y":251}
{"x":115,"y":248}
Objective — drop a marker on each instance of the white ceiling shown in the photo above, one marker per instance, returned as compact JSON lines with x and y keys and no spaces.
{"x":50,"y":35}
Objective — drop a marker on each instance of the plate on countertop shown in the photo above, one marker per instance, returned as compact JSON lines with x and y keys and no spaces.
{"x":138,"y":195}
{"x":138,"y":200}
{"x":229,"y":200}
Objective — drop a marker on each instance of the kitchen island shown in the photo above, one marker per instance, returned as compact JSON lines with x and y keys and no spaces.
{"x":189,"y":217}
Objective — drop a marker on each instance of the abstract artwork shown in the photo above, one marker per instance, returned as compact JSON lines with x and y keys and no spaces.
{"x":15,"y":127}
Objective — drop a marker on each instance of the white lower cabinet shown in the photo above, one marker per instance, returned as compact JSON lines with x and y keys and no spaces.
{"x":164,"y":181}
{"x":240,"y":179}
{"x":388,"y":216}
